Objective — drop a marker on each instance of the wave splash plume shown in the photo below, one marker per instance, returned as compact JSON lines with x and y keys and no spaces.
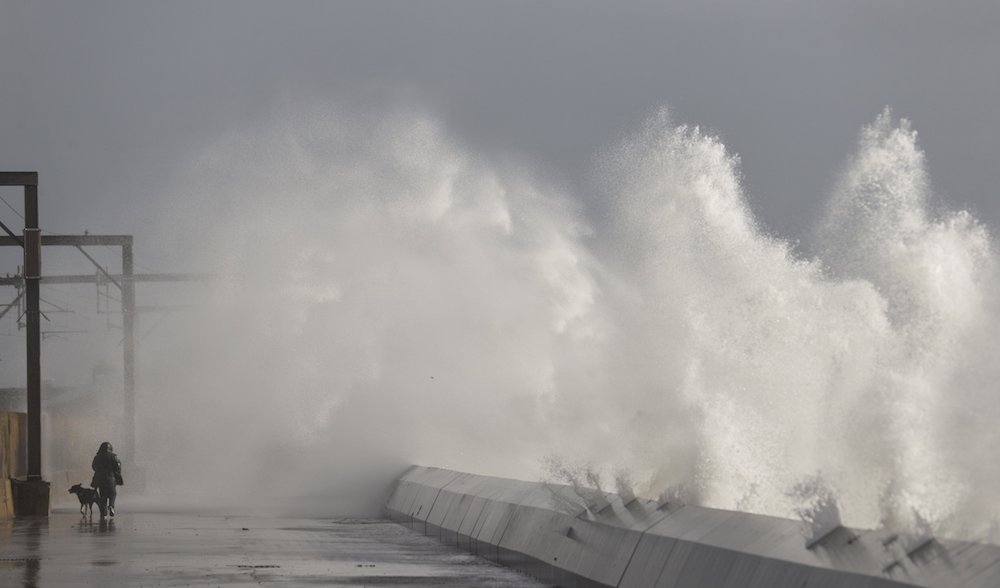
{"x":402,"y":300}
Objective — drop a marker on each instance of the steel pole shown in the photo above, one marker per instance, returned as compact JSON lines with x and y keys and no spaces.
{"x":32,"y":276}
{"x":128,"y":325}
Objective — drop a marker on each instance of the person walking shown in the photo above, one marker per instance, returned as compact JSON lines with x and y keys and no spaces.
{"x":107,"y":476}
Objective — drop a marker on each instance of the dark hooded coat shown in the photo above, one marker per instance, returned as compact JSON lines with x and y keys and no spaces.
{"x":105,"y":465}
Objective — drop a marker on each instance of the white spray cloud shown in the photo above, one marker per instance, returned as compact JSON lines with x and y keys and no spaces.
{"x":400,"y":300}
{"x":937,"y":275}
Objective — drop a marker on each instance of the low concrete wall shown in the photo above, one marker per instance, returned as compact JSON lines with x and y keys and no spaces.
{"x":578,"y":537}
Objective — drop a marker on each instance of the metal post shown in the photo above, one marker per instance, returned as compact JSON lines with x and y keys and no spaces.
{"x":128,"y":325}
{"x":32,"y":276}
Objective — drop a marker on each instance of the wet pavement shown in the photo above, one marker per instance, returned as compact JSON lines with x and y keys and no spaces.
{"x":168,"y":549}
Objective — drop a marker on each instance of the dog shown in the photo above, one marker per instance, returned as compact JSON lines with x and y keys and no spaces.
{"x":87,"y":496}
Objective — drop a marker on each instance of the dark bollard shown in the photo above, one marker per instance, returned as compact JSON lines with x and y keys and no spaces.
{"x":31,"y":497}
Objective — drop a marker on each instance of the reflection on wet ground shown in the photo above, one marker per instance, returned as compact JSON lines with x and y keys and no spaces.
{"x":164,"y":549}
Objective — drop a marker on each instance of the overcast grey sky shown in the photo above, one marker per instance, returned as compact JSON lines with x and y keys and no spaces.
{"x":109,"y":101}
{"x":105,"y":98}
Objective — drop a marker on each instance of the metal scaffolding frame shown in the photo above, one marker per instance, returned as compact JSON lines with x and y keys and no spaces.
{"x":29,"y":280}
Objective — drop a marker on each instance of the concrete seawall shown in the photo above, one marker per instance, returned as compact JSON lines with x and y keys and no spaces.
{"x":578,"y":537}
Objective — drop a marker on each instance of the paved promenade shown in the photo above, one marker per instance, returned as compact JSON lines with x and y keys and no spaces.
{"x":162,"y":549}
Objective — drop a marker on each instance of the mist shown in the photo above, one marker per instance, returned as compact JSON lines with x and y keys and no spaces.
{"x":388,"y":296}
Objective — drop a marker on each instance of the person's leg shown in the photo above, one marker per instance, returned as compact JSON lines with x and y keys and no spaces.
{"x":102,"y":499}
{"x":112,"y":494}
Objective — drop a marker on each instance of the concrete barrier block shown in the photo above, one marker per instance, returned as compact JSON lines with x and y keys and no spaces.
{"x":648,"y":560}
{"x":424,"y":497}
{"x":598,"y":551}
{"x":403,"y":497}
{"x":697,"y":566}
{"x":742,"y":571}
{"x":843,"y":549}
{"x":502,"y":501}
{"x":674,"y":564}
{"x":400,"y":494}
{"x":439,"y":507}
{"x":771,"y":573}
{"x":415,"y":494}
{"x":745,"y":532}
{"x":767,"y":537}
{"x":691,"y":523}
{"x":450,"y":511}
{"x":638,"y":515}
{"x":472,"y":517}
{"x":577,"y":550}
{"x":459,"y":506}
{"x":490,"y":528}
{"x":936,"y":560}
{"x":536,"y":531}
{"x":568,"y":537}
{"x":408,"y":487}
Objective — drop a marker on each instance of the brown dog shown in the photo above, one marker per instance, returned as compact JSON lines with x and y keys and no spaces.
{"x":87,"y":496}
